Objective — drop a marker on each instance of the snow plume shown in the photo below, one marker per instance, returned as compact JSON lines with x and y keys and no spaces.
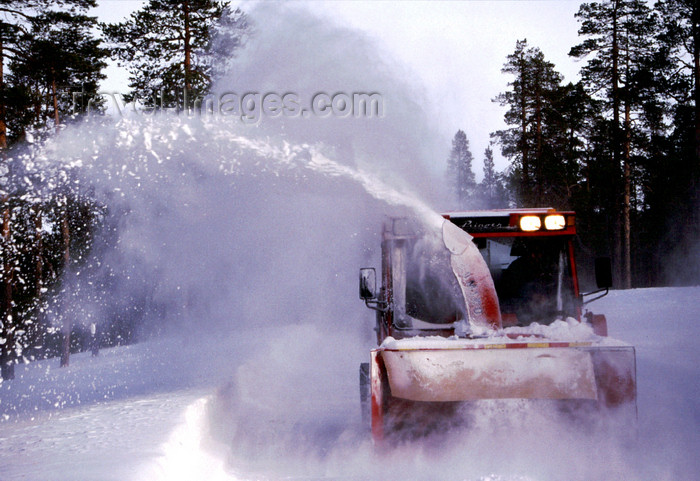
{"x":293,"y":51}
{"x":682,"y":264}
{"x":216,"y":215}
{"x":230,"y":229}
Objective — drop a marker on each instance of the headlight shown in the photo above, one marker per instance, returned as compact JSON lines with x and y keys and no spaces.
{"x":530,"y":223}
{"x":554,"y":222}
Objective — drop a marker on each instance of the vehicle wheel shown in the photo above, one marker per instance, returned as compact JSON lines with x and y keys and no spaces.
{"x":365,"y":394}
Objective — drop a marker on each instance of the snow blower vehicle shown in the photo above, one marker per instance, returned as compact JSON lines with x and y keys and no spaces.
{"x":486,"y":306}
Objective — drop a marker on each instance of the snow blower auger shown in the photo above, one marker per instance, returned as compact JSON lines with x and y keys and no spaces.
{"x":495,"y":313}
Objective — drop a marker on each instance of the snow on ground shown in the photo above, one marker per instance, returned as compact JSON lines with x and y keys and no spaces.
{"x":96,"y":419}
{"x":288,"y":409}
{"x":104,"y":417}
{"x":664,"y":326}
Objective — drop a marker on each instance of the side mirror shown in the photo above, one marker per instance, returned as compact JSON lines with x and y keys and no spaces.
{"x":368,"y":283}
{"x":603,"y":272}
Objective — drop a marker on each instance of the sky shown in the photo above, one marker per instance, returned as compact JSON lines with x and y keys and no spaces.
{"x":451,"y":51}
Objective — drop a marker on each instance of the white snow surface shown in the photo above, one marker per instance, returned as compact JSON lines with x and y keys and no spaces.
{"x":288,"y":409}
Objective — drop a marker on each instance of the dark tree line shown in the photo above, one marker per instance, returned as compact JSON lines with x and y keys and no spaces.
{"x":621,"y":146}
{"x":49,"y":56}
{"x":52,"y":59}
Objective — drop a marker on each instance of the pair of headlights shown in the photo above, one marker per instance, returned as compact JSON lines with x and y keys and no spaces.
{"x":532,"y":223}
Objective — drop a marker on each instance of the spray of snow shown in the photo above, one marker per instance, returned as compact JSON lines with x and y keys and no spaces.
{"x":188,"y":454}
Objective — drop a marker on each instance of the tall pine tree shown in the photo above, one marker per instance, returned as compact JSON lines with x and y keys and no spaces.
{"x":531,"y":108}
{"x":674,"y":183}
{"x":166,"y":45}
{"x":681,"y":36}
{"x":15,"y":18}
{"x":492,"y":191}
{"x":460,"y":175}
{"x":619,"y":43}
{"x":63,"y":65}
{"x":47,"y":49}
{"x":49,"y":52}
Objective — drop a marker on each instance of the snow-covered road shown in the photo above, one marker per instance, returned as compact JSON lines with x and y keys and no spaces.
{"x":105,"y":441}
{"x":134,"y":413}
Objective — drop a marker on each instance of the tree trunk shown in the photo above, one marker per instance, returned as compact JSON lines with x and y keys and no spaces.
{"x":7,"y":366}
{"x":67,"y":324}
{"x":54,"y":95}
{"x":523,"y":138}
{"x":626,"y":204}
{"x":615,"y":87}
{"x":3,"y":124}
{"x":615,"y":147}
{"x":695,"y":186}
{"x":696,"y":59}
{"x":188,"y":57}
{"x":538,"y":139}
{"x":39,"y":246}
{"x":627,"y":175}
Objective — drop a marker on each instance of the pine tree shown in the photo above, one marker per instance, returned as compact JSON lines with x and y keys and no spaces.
{"x":492,"y":192}
{"x":672,"y":184}
{"x":459,"y":170}
{"x":620,"y":42}
{"x":681,"y":37}
{"x":45,"y":44}
{"x":515,"y":142}
{"x":63,"y":63}
{"x":15,"y":15}
{"x":568,"y":114}
{"x":530,"y":106}
{"x":165,"y":46}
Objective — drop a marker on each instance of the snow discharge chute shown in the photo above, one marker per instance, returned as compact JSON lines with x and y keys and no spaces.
{"x":473,"y":277}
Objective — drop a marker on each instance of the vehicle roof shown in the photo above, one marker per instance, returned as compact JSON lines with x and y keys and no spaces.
{"x":503,"y":212}
{"x":505,"y":222}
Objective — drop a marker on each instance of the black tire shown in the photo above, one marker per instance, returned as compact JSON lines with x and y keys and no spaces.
{"x":365,"y":393}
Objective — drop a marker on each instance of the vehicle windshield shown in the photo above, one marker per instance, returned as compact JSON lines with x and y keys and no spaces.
{"x":532,"y":277}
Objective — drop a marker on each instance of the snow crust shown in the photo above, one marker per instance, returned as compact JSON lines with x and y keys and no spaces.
{"x":570,"y":330}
